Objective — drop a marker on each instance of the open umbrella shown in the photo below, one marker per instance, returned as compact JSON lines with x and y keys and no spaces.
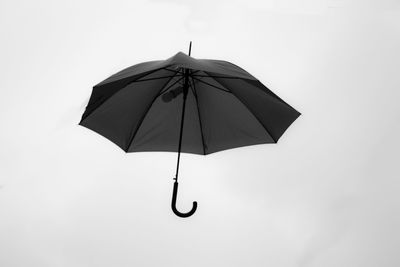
{"x":216,"y":104}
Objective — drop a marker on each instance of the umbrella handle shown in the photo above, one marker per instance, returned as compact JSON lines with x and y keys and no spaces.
{"x":173,"y":204}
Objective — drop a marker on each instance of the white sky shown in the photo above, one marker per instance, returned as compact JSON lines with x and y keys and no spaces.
{"x":326,"y":195}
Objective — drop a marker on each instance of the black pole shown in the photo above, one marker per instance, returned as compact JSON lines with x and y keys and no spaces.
{"x":175,"y":190}
{"x":185,"y":91}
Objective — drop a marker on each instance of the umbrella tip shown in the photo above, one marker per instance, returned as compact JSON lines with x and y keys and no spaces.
{"x":190,"y":47}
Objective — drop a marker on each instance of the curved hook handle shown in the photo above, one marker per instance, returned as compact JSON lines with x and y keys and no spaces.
{"x":173,"y":204}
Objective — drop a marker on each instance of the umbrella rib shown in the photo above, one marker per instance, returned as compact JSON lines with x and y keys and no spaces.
{"x":174,"y":71}
{"x":266,"y":90}
{"x":214,"y":76}
{"x":149,"y":79}
{"x":141,"y":75}
{"x":166,"y":89}
{"x":198,"y":113}
{"x":209,"y":84}
{"x":254,"y":115}
{"x":165,"y":68}
{"x":156,"y":78}
{"x":145,"y":113}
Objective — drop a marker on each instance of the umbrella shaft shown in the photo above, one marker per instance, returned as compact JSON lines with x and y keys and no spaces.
{"x":185,"y":92}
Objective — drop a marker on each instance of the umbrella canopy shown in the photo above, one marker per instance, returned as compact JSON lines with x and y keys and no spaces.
{"x":222,"y":106}
{"x":226,"y":107}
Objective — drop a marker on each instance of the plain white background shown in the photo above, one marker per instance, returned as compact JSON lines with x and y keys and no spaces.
{"x":326,"y":195}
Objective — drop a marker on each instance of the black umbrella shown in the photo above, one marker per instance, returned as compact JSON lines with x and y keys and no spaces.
{"x":217,"y":104}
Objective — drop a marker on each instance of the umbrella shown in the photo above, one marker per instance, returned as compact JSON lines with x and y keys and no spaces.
{"x":183,"y":104}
